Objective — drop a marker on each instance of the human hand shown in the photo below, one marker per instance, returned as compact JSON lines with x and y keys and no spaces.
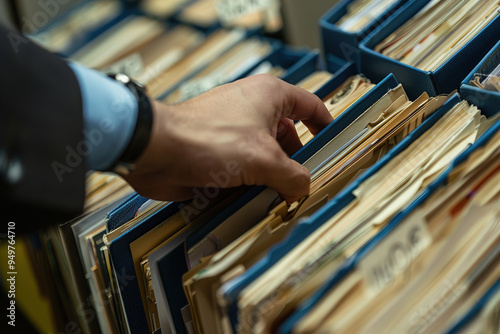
{"x":236,"y":134}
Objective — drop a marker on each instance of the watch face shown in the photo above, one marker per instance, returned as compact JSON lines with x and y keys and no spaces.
{"x":122,"y":77}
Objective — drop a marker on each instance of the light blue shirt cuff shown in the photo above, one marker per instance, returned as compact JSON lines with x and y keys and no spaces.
{"x":109,"y":116}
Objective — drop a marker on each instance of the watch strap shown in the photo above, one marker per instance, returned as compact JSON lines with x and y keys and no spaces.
{"x":142,"y":132}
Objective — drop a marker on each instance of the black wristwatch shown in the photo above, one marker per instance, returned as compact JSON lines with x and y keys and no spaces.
{"x":142,"y":132}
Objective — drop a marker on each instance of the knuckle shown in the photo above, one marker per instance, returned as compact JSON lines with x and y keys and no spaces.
{"x":268,"y":81}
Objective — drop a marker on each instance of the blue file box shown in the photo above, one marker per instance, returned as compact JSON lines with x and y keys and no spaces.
{"x":446,"y":78}
{"x":297,"y":62}
{"x":232,"y":289}
{"x":340,"y":44}
{"x":486,"y":100}
{"x":351,"y":263}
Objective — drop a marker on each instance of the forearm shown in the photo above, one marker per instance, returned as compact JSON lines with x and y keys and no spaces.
{"x":40,"y":119}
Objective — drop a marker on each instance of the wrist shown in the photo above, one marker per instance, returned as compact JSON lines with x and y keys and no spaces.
{"x":143,"y":127}
{"x":159,"y":145}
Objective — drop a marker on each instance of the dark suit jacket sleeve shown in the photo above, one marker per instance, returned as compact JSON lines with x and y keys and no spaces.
{"x":40,"y":122}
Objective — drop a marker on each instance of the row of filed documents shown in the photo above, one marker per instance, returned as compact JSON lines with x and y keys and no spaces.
{"x":429,"y":45}
{"x":400,"y":232}
{"x":87,"y":20}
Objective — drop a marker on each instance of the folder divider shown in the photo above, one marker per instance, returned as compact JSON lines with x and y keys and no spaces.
{"x":486,"y":100}
{"x":443,"y":80}
{"x":351,"y":263}
{"x":124,"y":212}
{"x":347,"y":116}
{"x":340,"y":76}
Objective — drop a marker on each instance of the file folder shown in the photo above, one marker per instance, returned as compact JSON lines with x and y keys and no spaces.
{"x":124,"y":212}
{"x":123,"y":265}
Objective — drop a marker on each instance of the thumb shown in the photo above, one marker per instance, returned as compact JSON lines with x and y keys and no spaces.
{"x":274,"y":169}
{"x":296,"y":182}
{"x":287,"y":136}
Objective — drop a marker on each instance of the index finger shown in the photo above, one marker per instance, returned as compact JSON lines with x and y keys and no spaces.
{"x":301,"y":105}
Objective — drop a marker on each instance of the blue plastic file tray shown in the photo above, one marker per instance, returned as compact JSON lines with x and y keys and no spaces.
{"x":232,"y":289}
{"x":444,"y":79}
{"x":172,"y":262}
{"x":329,"y":210}
{"x":341,"y":44}
{"x":297,"y":62}
{"x":486,"y":100}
